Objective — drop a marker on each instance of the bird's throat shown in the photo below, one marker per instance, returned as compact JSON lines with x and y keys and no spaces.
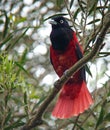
{"x":61,"y":38}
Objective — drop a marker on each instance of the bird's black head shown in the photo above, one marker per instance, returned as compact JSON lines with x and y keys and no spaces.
{"x":59,"y":22}
{"x":61,"y":33}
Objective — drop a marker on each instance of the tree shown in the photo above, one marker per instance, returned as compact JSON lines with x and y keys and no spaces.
{"x":24,"y":96}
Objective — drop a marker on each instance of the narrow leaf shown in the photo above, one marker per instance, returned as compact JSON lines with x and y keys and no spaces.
{"x":71,"y":3}
{"x":15,"y":125}
{"x":93,"y":21}
{"x":107,"y":117}
{"x":22,"y":61}
{"x":101,"y":117}
{"x":84,"y":3}
{"x":19,"y":20}
{"x":17,"y":39}
{"x":39,"y":102}
{"x":76,"y":13}
{"x":7,"y":97}
{"x":21,"y":67}
{"x":25,"y":98}
{"x":26,"y":103}
{"x":6,"y":24}
{"x":1,"y":21}
{"x":88,"y":70}
{"x":79,"y":126}
{"x":8,"y":117}
{"x":81,"y":6}
{"x":6,"y":40}
{"x":93,"y":7}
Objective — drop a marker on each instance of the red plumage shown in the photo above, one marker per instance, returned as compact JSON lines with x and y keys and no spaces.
{"x":74,"y":96}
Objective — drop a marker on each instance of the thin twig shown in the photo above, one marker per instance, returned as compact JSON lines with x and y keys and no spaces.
{"x":75,"y":122}
{"x":71,"y":17}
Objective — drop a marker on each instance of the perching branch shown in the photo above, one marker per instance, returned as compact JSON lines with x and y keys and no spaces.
{"x":37,"y":119}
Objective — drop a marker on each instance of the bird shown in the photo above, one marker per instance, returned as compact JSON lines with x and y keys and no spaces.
{"x":65,"y":51}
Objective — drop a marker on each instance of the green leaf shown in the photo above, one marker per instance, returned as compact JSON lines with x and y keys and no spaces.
{"x":108,"y":94}
{"x":7,"y":39}
{"x":26,"y":103}
{"x":83,"y":3}
{"x":25,"y":98}
{"x":39,"y":102}
{"x":23,"y":58}
{"x":93,"y":21}
{"x":17,"y":39}
{"x":6,"y":24}
{"x":1,"y":21}
{"x":19,"y":20}
{"x":71,"y":3}
{"x":8,"y":117}
{"x":88,"y":70}
{"x":81,"y":6}
{"x":107,"y":117}
{"x":76,"y":13}
{"x":15,"y":125}
{"x":101,"y":7}
{"x":7,"y":97}
{"x":80,"y":128}
{"x":101,"y":116}
{"x":93,"y":7}
{"x":21,"y":67}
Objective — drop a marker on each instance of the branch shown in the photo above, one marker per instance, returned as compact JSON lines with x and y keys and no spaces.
{"x":37,"y":119}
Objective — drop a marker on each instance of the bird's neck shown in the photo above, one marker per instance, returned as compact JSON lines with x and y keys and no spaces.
{"x":61,"y":38}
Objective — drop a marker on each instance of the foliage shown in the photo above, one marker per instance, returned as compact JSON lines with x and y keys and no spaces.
{"x":25,"y":65}
{"x":11,"y":94}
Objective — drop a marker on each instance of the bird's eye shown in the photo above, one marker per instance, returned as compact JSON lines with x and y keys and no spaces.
{"x":61,"y":21}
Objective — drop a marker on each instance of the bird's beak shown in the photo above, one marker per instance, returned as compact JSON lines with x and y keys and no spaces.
{"x":53,"y":22}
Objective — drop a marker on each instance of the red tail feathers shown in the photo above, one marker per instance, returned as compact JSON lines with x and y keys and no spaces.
{"x":73,"y":100}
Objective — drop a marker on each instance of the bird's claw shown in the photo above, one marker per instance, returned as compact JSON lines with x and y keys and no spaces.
{"x":56,"y":84}
{"x":65,"y":73}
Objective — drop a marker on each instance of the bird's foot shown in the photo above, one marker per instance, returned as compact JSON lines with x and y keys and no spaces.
{"x":57,"y":84}
{"x":66,"y":73}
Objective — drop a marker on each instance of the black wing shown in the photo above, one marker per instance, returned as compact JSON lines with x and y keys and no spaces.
{"x":80,"y":55}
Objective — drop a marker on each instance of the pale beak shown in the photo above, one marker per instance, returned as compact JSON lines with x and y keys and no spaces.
{"x":53,"y":22}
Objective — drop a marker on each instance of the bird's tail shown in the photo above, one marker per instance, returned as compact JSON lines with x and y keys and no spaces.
{"x":73,"y":100}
